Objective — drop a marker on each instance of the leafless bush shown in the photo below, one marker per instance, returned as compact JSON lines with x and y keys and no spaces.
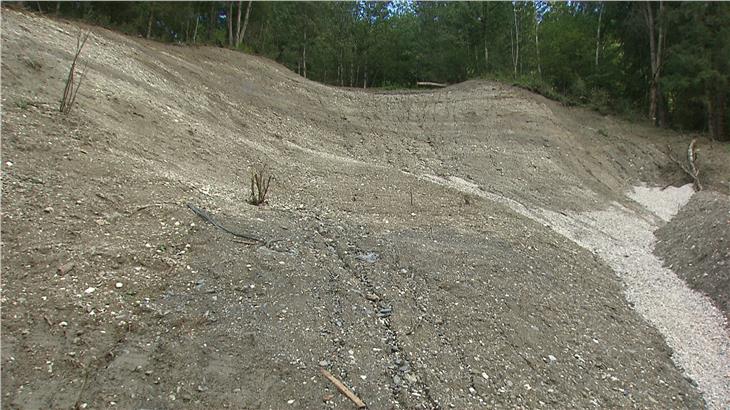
{"x":259,"y":186}
{"x":69,"y":91}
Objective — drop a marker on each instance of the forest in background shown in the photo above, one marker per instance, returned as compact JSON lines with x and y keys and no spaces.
{"x":668,"y":61}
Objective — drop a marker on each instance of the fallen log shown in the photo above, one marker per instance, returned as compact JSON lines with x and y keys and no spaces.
{"x":691,"y":168}
{"x":430,"y":84}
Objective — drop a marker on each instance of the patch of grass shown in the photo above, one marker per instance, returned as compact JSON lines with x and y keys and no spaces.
{"x":33,"y":64}
{"x":22,"y":104}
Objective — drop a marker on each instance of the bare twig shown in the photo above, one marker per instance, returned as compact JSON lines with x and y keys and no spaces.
{"x":143,"y":207}
{"x":343,"y":389}
{"x":201,"y":213}
{"x":69,"y":91}
{"x":259,"y":186}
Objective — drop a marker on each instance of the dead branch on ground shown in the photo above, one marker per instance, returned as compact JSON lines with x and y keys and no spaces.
{"x":343,"y":389}
{"x":430,"y":84}
{"x":690,"y":168}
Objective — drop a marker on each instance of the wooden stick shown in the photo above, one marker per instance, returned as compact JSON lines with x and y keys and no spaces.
{"x":343,"y":389}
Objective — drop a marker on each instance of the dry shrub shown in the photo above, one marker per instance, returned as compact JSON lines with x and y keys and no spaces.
{"x":259,"y":185}
{"x":69,"y":91}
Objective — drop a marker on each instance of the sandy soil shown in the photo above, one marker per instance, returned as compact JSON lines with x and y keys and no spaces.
{"x":403,"y":262}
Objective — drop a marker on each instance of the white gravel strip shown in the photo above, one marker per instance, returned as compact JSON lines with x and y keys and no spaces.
{"x":691,"y":325}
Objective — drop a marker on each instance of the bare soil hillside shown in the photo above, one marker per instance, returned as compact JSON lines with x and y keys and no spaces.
{"x":696,"y":244}
{"x":413,"y":293}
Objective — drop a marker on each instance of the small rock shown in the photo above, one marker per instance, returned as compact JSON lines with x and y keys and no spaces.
{"x":324,"y":363}
{"x":411,"y":378}
{"x":290,"y":401}
{"x":118,"y":285}
{"x":370,"y":257}
{"x":472,"y":390}
{"x":48,"y":209}
{"x":397,"y":380}
{"x":90,"y":290}
{"x":202,"y":388}
{"x":327,"y":397}
{"x":66,"y":268}
{"x":63,"y":324}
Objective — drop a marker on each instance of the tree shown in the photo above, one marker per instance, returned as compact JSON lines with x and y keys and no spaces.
{"x":241,"y":31}
{"x":657,"y":35}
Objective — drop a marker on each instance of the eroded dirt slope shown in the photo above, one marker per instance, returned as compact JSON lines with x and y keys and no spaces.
{"x":696,"y":244}
{"x":414,"y":294}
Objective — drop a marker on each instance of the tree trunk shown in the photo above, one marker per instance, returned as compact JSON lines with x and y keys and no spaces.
{"x":242,"y":31}
{"x":229,"y":17}
{"x":238,"y":25}
{"x":486,"y":55}
{"x":516,"y":43}
{"x":304,"y":53}
{"x":342,"y":74}
{"x":656,"y":43}
{"x":718,"y":106}
{"x":212,"y":21}
{"x":484,"y":32}
{"x":598,"y":33}
{"x":58,"y":8}
{"x":537,"y":44}
{"x":149,"y":21}
{"x":195,"y":33}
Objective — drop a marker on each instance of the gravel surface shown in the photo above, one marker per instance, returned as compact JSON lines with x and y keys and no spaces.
{"x":412,"y":293}
{"x":623,"y":238}
{"x":696,"y":245}
{"x":693,"y":327}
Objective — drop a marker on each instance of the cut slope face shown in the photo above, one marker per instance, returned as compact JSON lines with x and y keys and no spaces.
{"x":696,"y":244}
{"x":467,"y":303}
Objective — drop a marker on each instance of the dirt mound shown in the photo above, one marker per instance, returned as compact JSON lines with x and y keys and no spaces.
{"x":413,"y":293}
{"x":696,"y":245}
